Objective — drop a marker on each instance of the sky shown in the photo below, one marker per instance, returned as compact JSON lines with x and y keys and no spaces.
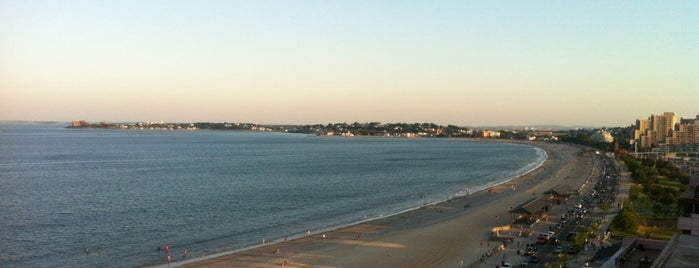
{"x":466,"y":63}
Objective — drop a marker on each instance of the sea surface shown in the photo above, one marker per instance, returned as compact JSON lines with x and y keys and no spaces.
{"x":130,"y":192}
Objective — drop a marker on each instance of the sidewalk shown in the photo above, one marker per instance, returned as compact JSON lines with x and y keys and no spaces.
{"x":623,"y":194}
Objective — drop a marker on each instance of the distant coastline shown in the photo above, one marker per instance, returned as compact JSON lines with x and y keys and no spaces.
{"x":604,"y":139}
{"x":172,"y":126}
{"x":371,"y":129}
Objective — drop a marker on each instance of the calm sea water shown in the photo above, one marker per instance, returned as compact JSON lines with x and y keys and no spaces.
{"x":130,"y":192}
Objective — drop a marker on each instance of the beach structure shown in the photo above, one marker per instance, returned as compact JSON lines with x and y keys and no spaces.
{"x":534,"y":207}
{"x":560,"y":192}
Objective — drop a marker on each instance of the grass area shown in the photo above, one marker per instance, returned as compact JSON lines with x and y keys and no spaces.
{"x":651,"y":225}
{"x":657,"y":228}
{"x":676,"y":185}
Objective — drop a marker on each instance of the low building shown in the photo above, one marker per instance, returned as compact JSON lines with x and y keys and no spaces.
{"x":688,"y":221}
{"x":81,"y":124}
{"x":602,"y":136}
{"x":681,"y":251}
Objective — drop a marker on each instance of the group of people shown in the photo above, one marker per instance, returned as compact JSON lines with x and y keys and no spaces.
{"x":88,"y":250}
{"x":166,"y":248}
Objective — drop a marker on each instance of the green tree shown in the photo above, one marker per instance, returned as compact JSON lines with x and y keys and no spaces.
{"x":627,"y":221}
{"x":636,"y":192}
{"x":639,"y":176}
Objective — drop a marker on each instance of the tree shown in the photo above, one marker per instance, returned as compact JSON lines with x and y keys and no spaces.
{"x":636,"y":192}
{"x":639,"y":176}
{"x":626,"y":221}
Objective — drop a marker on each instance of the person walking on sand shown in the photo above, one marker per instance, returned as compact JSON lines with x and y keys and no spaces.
{"x":167,"y":249}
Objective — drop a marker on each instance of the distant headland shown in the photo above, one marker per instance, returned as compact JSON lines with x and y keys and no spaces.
{"x":173,"y":126}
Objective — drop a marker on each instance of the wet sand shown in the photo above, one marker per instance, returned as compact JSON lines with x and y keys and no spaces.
{"x":441,"y":235}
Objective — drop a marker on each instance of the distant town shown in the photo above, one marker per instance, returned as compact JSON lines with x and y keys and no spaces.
{"x":659,"y":136}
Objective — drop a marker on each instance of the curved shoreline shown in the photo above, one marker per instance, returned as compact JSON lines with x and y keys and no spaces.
{"x":236,"y":257}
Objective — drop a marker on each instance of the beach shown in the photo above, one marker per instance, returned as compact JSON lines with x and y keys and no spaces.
{"x":454,"y":233}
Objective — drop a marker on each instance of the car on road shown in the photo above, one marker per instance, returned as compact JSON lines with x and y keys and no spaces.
{"x":506,"y":265}
{"x":558,"y":249}
{"x":553,"y":241}
{"x":572,"y":250}
{"x":531,"y":250}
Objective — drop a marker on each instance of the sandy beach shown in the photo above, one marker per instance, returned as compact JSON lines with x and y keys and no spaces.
{"x":442,"y":235}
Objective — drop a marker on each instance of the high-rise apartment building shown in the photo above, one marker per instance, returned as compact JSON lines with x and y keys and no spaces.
{"x":663,"y":129}
{"x":686,"y":132}
{"x":663,"y":124}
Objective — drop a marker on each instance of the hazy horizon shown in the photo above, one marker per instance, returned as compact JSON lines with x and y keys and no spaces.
{"x":305,"y":62}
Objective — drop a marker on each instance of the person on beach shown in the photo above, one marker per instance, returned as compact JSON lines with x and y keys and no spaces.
{"x":185,"y":252}
{"x":308,"y":232}
{"x":167,"y":249}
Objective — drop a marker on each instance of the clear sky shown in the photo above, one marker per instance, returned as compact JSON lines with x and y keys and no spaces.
{"x":468,"y":63}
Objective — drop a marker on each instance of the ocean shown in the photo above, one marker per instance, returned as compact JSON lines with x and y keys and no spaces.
{"x":130,"y":192}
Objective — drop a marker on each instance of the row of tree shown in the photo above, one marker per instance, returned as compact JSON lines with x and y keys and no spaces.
{"x":659,"y":185}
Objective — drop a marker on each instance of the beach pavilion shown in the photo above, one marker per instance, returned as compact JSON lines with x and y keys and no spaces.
{"x":560,"y":192}
{"x":531,"y":210}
